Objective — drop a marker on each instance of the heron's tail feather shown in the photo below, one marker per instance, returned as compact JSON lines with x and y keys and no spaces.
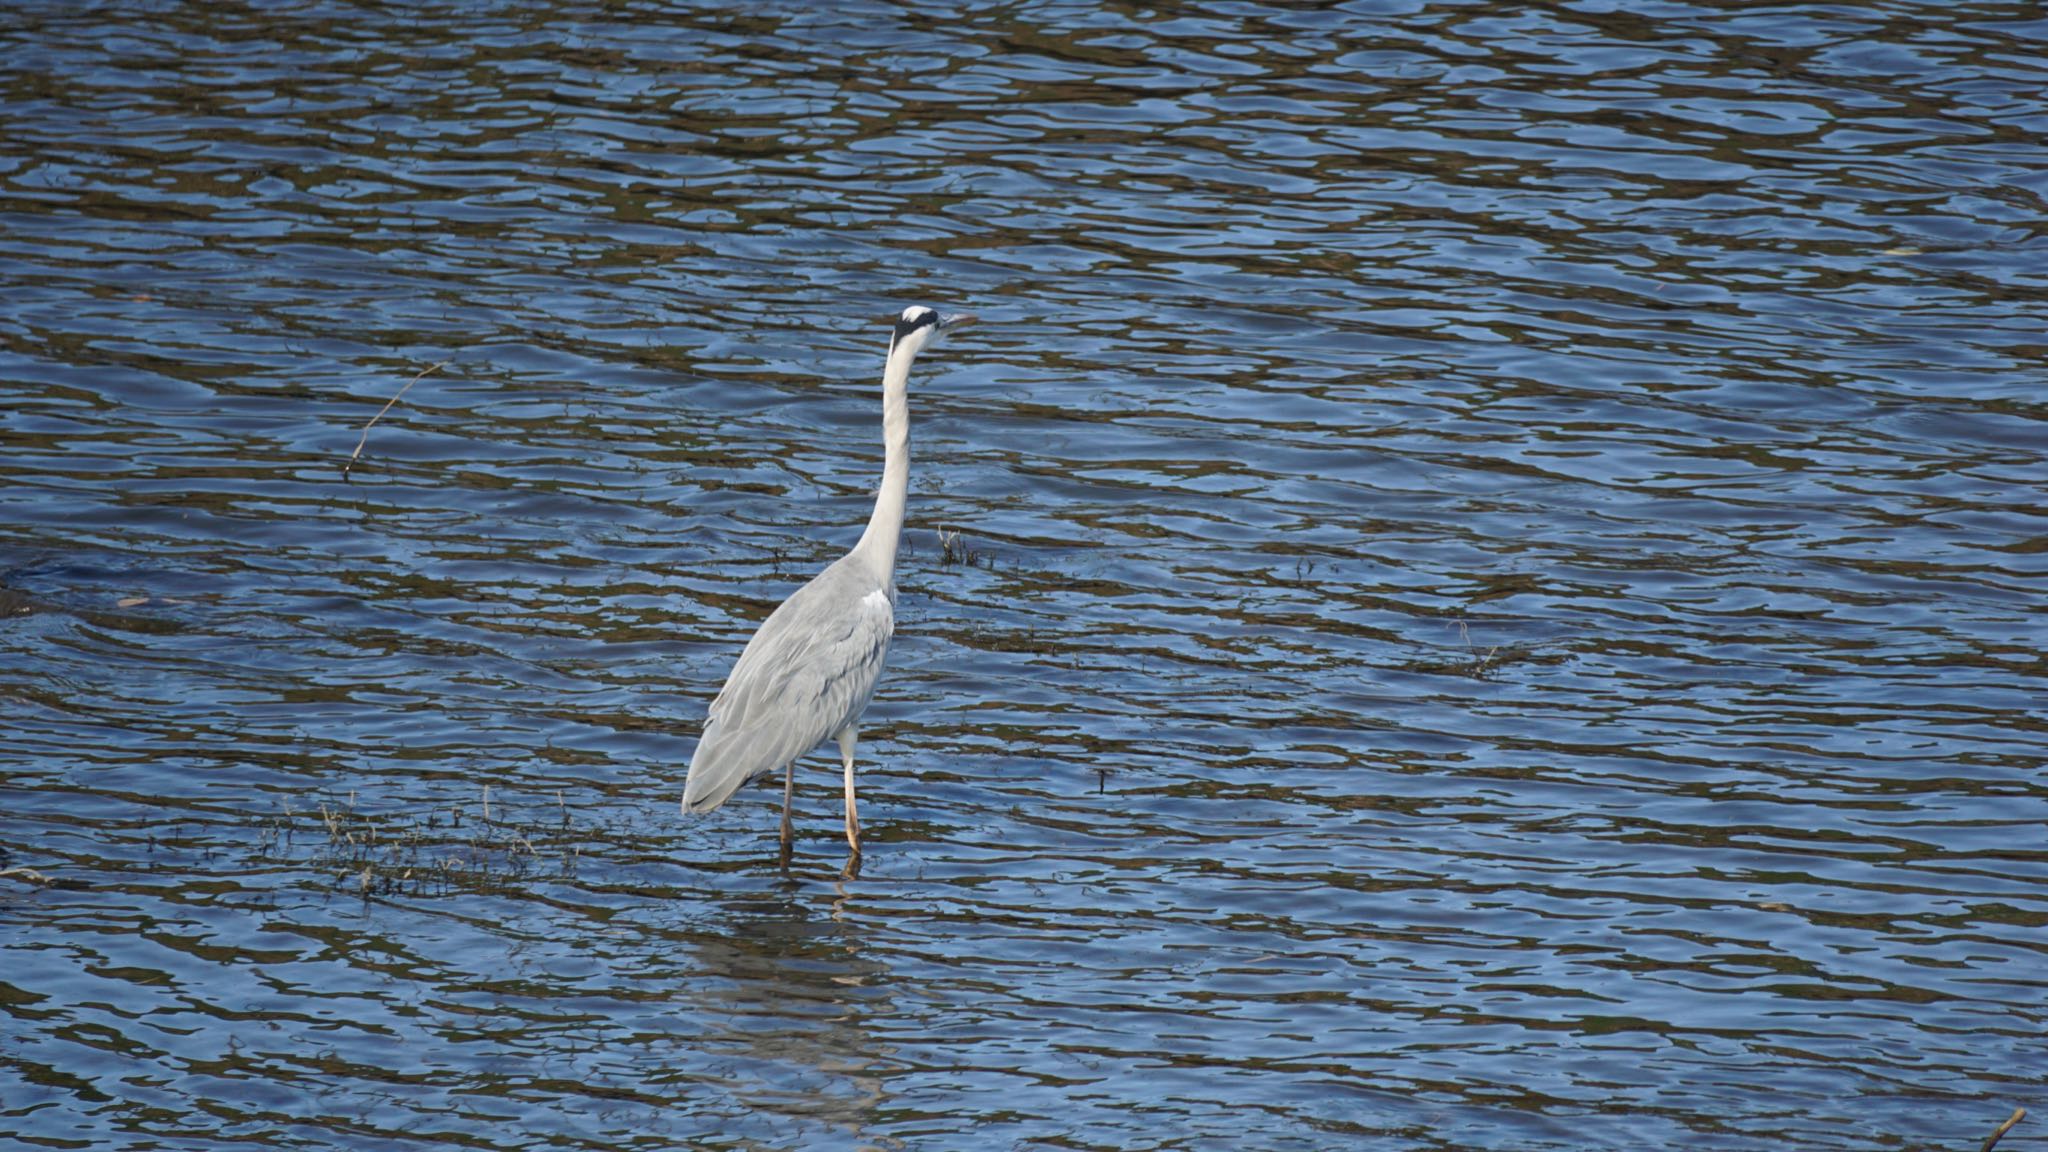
{"x":726,"y":758}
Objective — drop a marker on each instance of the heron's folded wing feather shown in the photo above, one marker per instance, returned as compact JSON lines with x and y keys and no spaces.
{"x":807,"y":673}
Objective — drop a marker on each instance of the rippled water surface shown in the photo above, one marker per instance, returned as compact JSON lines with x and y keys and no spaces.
{"x":1498,"y":597}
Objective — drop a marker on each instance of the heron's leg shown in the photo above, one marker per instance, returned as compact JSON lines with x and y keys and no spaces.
{"x":788,"y":796}
{"x":846,"y":745}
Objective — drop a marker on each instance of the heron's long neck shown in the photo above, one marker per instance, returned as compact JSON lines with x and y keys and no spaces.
{"x":885,"y":527}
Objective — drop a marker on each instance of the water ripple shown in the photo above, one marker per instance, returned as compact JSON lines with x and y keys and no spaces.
{"x":1496,"y":597}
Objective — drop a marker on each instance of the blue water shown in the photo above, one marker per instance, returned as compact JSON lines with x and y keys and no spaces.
{"x":1498,"y":598}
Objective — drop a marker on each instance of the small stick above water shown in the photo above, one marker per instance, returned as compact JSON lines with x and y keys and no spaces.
{"x":2018,"y":1114}
{"x":417,"y":376}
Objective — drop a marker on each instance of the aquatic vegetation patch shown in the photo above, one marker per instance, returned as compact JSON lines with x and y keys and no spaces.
{"x":448,"y":848}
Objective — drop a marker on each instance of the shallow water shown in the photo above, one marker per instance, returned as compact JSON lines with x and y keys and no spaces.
{"x":1497,"y":599}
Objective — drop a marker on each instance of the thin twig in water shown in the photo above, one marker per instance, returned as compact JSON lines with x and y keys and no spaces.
{"x":2018,"y":1114}
{"x":35,"y":877}
{"x":380,"y":415}
{"x":1479,"y":663}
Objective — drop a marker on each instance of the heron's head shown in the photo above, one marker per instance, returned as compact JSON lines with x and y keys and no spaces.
{"x":920,"y":326}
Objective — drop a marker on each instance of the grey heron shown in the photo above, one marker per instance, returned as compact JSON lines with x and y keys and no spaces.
{"x":811,"y":668}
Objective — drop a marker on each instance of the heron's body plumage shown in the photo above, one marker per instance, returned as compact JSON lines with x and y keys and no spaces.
{"x":804,"y":678}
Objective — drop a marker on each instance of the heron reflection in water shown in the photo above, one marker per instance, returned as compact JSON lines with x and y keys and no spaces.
{"x":812,"y":667}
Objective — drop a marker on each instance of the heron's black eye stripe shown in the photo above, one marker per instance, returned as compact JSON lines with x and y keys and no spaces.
{"x":924,"y":319}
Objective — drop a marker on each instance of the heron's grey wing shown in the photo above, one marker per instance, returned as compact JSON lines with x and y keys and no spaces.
{"x":807,"y":673}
